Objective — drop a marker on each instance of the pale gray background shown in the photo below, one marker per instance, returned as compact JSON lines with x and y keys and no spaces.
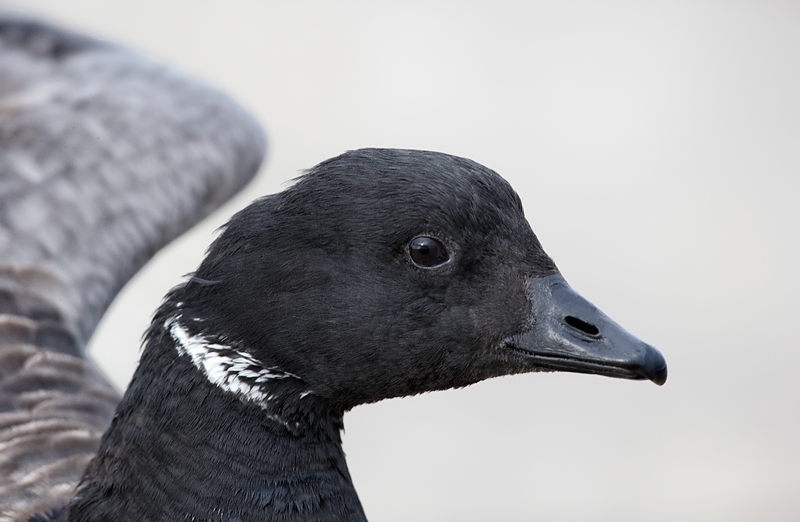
{"x":657,"y":149}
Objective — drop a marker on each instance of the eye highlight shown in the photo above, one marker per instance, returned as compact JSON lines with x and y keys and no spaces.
{"x":427,"y":252}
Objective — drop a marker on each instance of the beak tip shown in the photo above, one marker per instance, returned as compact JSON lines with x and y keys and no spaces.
{"x":661,"y":378}
{"x":655,"y":366}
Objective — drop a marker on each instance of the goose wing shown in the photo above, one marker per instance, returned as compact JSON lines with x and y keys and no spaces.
{"x":105,"y":156}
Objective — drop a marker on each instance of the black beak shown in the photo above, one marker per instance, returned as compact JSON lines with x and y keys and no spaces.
{"x":570,"y":334}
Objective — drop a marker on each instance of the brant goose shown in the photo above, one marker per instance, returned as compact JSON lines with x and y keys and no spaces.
{"x":379,"y":273}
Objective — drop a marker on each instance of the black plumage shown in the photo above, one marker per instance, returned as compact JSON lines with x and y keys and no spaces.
{"x":316,"y":287}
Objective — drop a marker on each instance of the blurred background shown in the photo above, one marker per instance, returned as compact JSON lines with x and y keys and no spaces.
{"x":656,"y":147}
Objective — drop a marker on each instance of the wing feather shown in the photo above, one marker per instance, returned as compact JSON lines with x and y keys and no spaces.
{"x":105,"y":156}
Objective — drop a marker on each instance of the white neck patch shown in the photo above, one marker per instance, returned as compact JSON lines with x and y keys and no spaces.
{"x":230,"y":369}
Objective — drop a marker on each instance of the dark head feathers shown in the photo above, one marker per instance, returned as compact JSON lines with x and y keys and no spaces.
{"x":318,"y":277}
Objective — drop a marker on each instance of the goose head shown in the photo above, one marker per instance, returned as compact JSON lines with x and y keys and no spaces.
{"x":383,"y":273}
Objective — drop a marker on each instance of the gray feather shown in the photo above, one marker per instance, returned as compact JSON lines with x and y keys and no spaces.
{"x":105,"y":156}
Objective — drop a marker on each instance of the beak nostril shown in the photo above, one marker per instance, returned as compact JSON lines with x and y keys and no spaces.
{"x":583,"y":326}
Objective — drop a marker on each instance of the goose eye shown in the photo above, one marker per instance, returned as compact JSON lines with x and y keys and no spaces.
{"x":427,"y":252}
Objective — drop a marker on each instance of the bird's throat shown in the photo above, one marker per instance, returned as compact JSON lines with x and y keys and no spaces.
{"x":209,"y":454}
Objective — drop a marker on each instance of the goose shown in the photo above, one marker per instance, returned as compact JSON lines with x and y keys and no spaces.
{"x":379,"y":273}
